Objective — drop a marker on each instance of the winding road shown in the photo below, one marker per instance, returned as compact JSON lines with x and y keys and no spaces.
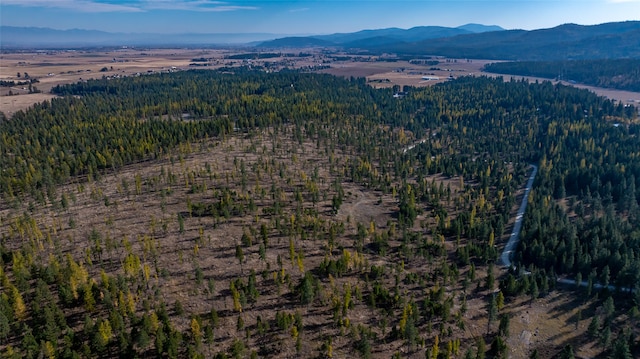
{"x":410,"y":147}
{"x":585,"y":283}
{"x":512,"y":244}
{"x":506,"y":256}
{"x":507,"y":253}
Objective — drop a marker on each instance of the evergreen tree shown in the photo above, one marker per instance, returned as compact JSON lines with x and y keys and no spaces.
{"x":567,"y":352}
{"x":482,"y":348}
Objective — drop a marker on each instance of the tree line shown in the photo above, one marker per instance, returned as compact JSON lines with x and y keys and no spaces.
{"x":621,"y":74}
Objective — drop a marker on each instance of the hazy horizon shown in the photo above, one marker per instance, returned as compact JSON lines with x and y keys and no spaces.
{"x":304,"y":17}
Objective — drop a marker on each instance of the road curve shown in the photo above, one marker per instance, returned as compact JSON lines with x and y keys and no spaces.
{"x":415,"y":144}
{"x":585,"y":283}
{"x":507,"y":253}
{"x":506,"y":256}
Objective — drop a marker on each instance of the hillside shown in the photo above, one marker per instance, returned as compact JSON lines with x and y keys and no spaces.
{"x":613,"y":40}
{"x":564,"y":42}
{"x":366,"y":38}
{"x":410,"y":35}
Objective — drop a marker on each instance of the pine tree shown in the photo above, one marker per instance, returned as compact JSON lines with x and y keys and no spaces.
{"x":500,"y":300}
{"x":499,"y":348}
{"x":482,"y":348}
{"x":196,"y":333}
{"x":621,"y":348}
{"x":47,"y":350}
{"x":490,"y":277}
{"x":493,"y":312}
{"x":5,"y":328}
{"x":503,"y":328}
{"x":103,"y":334}
{"x":605,"y":337}
{"x":235,"y":293}
{"x":19,"y":308}
{"x":567,"y":352}
{"x":239,"y":256}
{"x":594,"y":327}
{"x":306,"y":289}
{"x":435,"y":350}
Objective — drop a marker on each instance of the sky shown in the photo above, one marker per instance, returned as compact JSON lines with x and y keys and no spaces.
{"x":305,"y":17}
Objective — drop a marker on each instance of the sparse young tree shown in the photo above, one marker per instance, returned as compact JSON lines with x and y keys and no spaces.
{"x":240,"y":256}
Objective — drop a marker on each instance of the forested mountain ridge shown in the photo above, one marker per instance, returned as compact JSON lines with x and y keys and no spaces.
{"x":564,"y":42}
{"x":279,"y":215}
{"x":409,"y":35}
{"x":394,"y":36}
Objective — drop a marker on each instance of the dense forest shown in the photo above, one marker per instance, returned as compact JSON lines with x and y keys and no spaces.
{"x":621,"y":74}
{"x":237,"y":213}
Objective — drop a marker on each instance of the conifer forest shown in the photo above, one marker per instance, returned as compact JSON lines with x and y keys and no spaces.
{"x":235,"y":213}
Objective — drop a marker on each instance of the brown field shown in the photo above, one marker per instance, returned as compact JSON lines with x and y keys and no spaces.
{"x":401,"y":73}
{"x":53,"y":68}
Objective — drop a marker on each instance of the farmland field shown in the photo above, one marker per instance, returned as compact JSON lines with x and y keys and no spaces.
{"x":53,"y":67}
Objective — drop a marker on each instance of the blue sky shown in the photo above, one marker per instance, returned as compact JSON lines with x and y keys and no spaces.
{"x":306,"y":16}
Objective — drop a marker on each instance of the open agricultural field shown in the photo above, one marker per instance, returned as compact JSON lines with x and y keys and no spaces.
{"x":382,"y":73}
{"x":56,"y":67}
{"x":250,"y":214}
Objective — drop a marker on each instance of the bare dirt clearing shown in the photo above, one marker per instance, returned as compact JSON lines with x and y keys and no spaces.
{"x":149,"y":211}
{"x":547,"y":324}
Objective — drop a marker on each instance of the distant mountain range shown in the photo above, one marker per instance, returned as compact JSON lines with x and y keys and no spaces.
{"x":38,"y":37}
{"x":30,"y":37}
{"x":564,"y":42}
{"x":413,"y":34}
{"x":368,"y":39}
